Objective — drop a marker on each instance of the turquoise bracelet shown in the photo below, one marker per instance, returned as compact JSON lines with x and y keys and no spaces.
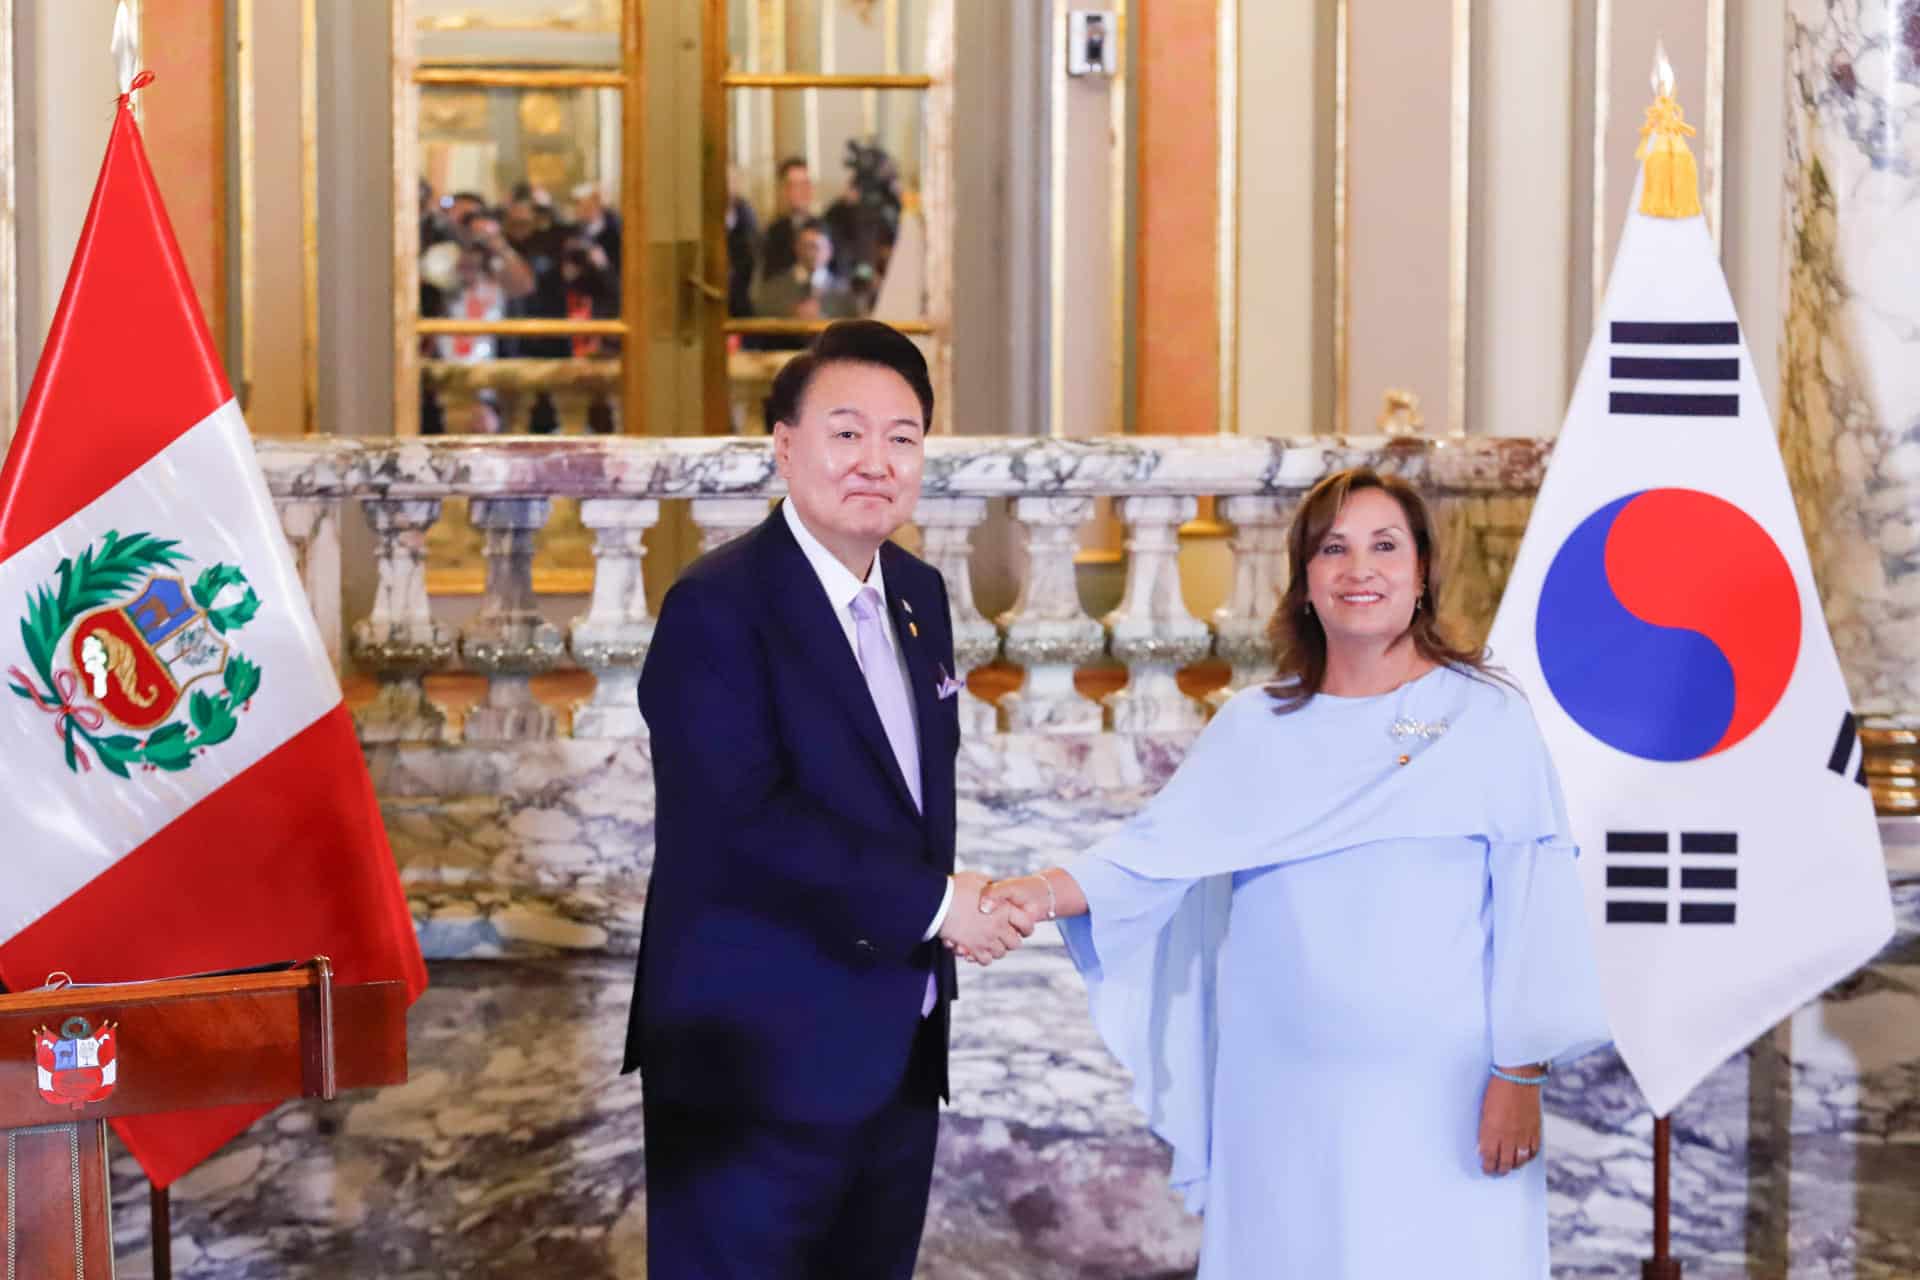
{"x":1535,"y":1081}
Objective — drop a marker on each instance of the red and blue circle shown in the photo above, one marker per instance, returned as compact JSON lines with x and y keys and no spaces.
{"x":1669,"y":624}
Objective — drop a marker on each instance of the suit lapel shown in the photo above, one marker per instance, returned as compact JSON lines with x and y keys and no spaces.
{"x":795,"y":590}
{"x":920,"y":678}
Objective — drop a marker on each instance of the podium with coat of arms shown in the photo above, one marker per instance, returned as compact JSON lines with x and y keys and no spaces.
{"x":73,"y":1057}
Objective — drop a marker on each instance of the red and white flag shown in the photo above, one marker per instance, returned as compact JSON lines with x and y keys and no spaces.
{"x":184,"y":788}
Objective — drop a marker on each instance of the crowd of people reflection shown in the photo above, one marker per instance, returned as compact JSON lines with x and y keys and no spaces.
{"x":532,"y":257}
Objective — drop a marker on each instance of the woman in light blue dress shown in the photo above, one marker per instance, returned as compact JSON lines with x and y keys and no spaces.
{"x":1341,"y":947}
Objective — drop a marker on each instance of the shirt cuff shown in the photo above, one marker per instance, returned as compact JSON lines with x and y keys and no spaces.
{"x":940,"y":916}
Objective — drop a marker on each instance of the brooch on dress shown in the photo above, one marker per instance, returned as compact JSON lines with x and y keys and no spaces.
{"x":1407,"y":727}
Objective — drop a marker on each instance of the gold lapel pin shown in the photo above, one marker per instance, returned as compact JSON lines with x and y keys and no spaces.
{"x":913,"y":629}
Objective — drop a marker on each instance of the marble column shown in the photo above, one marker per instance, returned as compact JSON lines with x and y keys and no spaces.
{"x":721,"y":520}
{"x":1259,"y":545}
{"x":312,"y":526}
{"x":611,"y":638}
{"x":399,"y":642}
{"x":1850,"y":412}
{"x":510,"y":642}
{"x":1152,"y":631}
{"x":946,"y":529}
{"x":1048,"y":631}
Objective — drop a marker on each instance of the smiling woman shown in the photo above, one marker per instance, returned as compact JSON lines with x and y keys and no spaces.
{"x":1358,"y":617}
{"x":1359,"y":1095}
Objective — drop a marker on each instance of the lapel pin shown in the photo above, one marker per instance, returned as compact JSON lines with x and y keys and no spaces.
{"x":913,"y":628}
{"x":906,"y":604}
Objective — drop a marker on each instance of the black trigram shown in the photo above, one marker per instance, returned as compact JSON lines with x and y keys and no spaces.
{"x":1647,"y":885}
{"x":1672,"y":357}
{"x":1847,"y":751}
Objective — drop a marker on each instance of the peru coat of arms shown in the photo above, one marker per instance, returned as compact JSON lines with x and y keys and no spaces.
{"x":77,"y":1064}
{"x":120,"y":637}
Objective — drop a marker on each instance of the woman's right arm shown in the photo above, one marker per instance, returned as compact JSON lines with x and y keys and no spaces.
{"x":1052,"y":894}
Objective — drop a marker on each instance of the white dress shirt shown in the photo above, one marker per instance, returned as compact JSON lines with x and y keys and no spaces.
{"x":841,"y":587}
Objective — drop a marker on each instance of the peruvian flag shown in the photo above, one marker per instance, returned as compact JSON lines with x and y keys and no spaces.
{"x":184,"y":788}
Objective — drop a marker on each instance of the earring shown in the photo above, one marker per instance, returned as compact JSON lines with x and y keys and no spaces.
{"x":1307,"y":608}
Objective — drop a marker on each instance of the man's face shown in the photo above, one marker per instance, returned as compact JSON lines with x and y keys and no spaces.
{"x":796,"y":189}
{"x":852,"y":460}
{"x":815,"y":250}
{"x":520,"y":220}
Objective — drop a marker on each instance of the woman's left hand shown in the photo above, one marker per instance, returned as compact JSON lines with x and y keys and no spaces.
{"x":1509,"y":1124}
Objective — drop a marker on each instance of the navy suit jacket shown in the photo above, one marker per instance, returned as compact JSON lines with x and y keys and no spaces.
{"x":781,"y":963}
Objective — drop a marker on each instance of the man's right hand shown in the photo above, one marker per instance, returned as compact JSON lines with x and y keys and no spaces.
{"x":976,"y":936}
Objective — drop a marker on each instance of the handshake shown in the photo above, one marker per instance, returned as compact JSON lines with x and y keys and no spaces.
{"x":989,"y":919}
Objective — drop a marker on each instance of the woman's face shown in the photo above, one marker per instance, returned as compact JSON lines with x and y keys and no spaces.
{"x":1364,"y":579}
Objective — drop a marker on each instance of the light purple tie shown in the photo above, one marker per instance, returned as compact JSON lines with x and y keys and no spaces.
{"x":884,"y":682}
{"x":889,"y":692}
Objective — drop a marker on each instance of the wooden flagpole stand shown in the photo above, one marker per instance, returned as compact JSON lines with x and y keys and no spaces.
{"x":1662,"y":1265}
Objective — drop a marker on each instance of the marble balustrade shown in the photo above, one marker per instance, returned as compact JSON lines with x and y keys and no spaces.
{"x":1051,"y":486}
{"x":516,"y":1149}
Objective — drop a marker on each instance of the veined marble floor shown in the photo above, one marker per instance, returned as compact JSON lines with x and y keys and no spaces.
{"x":516,"y":1151}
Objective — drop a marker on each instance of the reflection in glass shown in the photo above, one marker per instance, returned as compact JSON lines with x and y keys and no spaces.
{"x":519,"y":198}
{"x":825,"y":238}
{"x":574,"y":395}
{"x":828,"y":37}
{"x":549,"y":33}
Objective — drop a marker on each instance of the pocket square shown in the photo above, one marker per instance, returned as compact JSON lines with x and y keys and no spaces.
{"x":948,"y":686}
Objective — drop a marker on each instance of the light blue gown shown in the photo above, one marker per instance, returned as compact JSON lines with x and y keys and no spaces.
{"x":1308,"y":955}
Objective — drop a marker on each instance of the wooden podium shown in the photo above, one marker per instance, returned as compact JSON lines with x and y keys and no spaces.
{"x":135,"y":1048}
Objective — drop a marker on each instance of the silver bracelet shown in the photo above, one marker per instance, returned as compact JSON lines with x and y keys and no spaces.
{"x":1052,"y":913}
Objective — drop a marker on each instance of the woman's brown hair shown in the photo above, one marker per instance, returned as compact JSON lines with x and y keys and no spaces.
{"x":1298,"y":640}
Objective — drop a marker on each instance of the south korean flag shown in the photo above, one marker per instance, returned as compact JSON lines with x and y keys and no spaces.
{"x":1663,"y":619}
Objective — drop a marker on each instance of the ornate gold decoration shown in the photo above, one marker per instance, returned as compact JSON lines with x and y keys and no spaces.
{"x":1399,"y":413}
{"x":453,"y":111}
{"x":543,"y":113}
{"x":1672,"y":186}
{"x":549,"y":169}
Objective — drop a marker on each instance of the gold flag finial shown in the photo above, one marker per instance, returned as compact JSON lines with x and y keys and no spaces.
{"x":1671,"y":188}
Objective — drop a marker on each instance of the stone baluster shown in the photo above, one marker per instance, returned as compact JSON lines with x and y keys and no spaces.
{"x":312,"y":526}
{"x":611,"y":638}
{"x":945,"y":527}
{"x":1048,"y":632}
{"x":1259,"y":545}
{"x":1151,"y":631}
{"x":509,"y":642}
{"x":399,"y":642}
{"x":721,"y":520}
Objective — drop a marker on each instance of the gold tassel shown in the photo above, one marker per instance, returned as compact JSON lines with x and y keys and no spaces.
{"x":1672,"y":186}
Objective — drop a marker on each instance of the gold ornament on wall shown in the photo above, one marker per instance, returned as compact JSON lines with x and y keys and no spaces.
{"x":455,"y":112}
{"x":542,"y":114}
{"x":1400,"y":413}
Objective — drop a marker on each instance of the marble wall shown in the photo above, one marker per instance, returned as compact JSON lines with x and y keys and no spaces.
{"x":1850,"y":413}
{"x":515,"y":1149}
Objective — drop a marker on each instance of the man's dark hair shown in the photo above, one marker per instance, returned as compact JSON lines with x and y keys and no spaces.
{"x":791,"y":162}
{"x":850,"y":342}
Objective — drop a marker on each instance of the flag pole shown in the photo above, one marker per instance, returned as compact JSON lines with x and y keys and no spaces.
{"x":1662,"y":1265}
{"x":161,"y":1203}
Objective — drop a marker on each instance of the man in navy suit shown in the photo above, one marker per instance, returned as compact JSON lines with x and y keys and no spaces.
{"x":791,"y":1010}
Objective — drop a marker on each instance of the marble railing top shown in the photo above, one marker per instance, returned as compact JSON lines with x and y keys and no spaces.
{"x":957,"y":466}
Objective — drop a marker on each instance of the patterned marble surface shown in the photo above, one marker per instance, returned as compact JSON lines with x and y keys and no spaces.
{"x":1850,"y":421}
{"x":980,"y":466}
{"x":515,"y":1150}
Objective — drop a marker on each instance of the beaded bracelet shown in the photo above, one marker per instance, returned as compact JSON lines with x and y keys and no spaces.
{"x":1546,"y":1069}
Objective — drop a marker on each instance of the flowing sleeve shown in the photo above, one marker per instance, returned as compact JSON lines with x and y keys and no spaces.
{"x":1148,"y":949}
{"x":1544,"y":1001}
